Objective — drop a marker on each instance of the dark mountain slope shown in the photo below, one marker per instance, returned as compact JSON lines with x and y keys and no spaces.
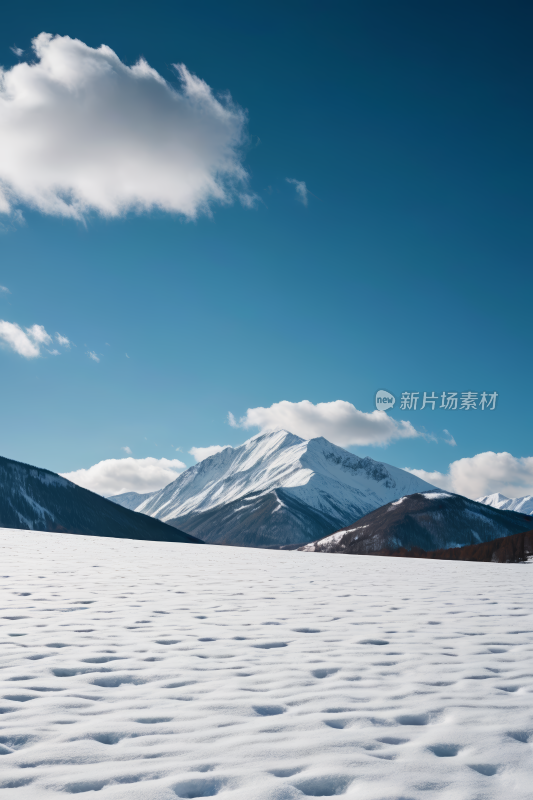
{"x":36,"y":499}
{"x":276,"y":519}
{"x":430,"y":521}
{"x":508,"y":550}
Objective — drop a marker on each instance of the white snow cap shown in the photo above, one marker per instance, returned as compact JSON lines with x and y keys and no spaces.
{"x":315,"y":471}
{"x":522,"y":505}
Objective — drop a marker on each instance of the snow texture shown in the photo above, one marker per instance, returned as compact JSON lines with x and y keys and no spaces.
{"x":154,"y":671}
{"x":523,"y":505}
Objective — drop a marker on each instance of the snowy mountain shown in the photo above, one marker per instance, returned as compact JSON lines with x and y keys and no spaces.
{"x":130,"y":499}
{"x":36,"y":499}
{"x":277,"y":489}
{"x":523,"y":505}
{"x":430,"y":521}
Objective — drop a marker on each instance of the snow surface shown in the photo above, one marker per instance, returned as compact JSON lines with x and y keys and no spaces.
{"x":316,"y":472}
{"x":523,"y":505}
{"x":151,"y":670}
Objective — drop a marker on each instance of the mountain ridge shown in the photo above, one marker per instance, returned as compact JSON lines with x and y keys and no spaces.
{"x":429,"y":521}
{"x":34,"y":498}
{"x":129,"y":500}
{"x":524,"y":505}
{"x":277,"y":489}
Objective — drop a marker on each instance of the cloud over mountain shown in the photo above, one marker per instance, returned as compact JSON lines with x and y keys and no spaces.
{"x":80,"y":131}
{"x":339,"y":422}
{"x":118,"y":475}
{"x":484,"y":474}
{"x":200,"y":453}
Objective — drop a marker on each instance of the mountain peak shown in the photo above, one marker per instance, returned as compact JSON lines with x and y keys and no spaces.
{"x":493,"y":499}
{"x":275,"y":435}
{"x":523,"y":505}
{"x":283,"y":485}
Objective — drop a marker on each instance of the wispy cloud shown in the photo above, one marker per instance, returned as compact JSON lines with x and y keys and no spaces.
{"x":450,"y":440}
{"x":82,"y":132}
{"x":301,"y":189}
{"x":26,"y":343}
{"x":4,"y":290}
{"x":18,"y":51}
{"x":92,"y":355}
{"x":62,"y":340}
{"x":248,"y":200}
{"x":127,"y":450}
{"x":54,"y":352}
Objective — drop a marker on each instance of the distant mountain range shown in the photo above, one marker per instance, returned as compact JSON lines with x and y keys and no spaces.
{"x":524,"y":505}
{"x":36,"y":499}
{"x":429,"y":520}
{"x":508,"y":550}
{"x":130,"y":500}
{"x":275,"y":490}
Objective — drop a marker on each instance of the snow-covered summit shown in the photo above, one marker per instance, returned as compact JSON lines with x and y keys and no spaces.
{"x":524,"y":505}
{"x":318,"y":477}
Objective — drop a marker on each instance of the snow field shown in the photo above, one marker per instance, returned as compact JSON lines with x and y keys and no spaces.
{"x":155,"y":671}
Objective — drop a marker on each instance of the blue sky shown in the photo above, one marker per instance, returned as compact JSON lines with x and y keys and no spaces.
{"x":409,"y":268}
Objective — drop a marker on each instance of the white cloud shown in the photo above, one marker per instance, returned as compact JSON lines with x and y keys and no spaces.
{"x":80,"y":131}
{"x":339,"y":422}
{"x":38,"y":334}
{"x":115,"y":476}
{"x":26,"y":343}
{"x":62,"y":340}
{"x":451,"y":441}
{"x":4,"y":290}
{"x":18,"y":51}
{"x":301,"y":189}
{"x":92,"y":355}
{"x":199,"y":453}
{"x":248,"y":200}
{"x":483,"y":474}
{"x":54,"y":352}
{"x":127,"y":450}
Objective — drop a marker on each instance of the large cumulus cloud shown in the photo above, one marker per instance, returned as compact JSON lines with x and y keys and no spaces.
{"x":484,"y":474}
{"x":80,"y":131}
{"x":338,"y":421}
{"x":118,"y":475}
